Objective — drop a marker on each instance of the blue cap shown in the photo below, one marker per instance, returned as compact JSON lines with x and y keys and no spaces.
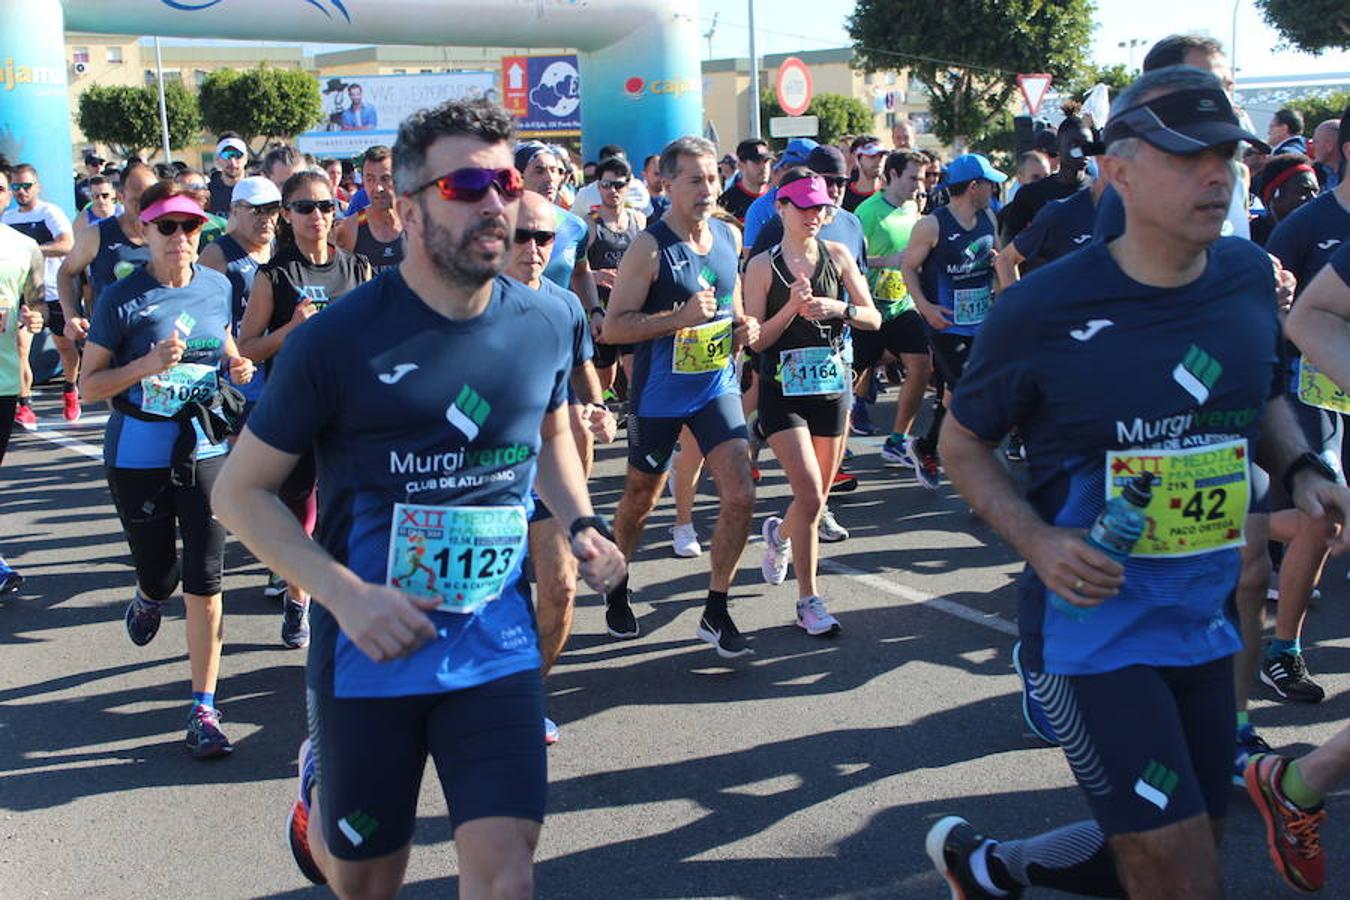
{"x":969,"y":167}
{"x":797,"y":151}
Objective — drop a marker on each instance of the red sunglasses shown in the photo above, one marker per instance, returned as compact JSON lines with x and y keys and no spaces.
{"x":469,"y":185}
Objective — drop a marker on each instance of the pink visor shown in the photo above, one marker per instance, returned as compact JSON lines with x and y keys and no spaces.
{"x":805,"y":193}
{"x":178,"y":204}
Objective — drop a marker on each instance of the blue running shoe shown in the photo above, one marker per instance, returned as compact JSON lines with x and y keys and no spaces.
{"x":1032,"y":711}
{"x":1249,"y":744}
{"x":142,"y":619}
{"x":297,"y":822}
{"x":860,"y":423}
{"x":550,"y":732}
{"x":204,"y":737}
{"x":895,"y":451}
{"x":10,"y":581}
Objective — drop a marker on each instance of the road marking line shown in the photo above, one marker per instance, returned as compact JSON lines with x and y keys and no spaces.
{"x":912,"y":596}
{"x":61,"y":439}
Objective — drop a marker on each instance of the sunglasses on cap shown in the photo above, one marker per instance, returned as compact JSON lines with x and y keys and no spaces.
{"x":23,"y":185}
{"x":167,"y":227}
{"x":614,"y":184}
{"x":305,"y":207}
{"x":471,"y":184}
{"x":231,"y":153}
{"x":540,"y":238}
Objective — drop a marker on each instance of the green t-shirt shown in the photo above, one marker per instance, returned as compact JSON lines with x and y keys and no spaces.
{"x":887,"y":229}
{"x":212,"y":228}
{"x":21,"y":274}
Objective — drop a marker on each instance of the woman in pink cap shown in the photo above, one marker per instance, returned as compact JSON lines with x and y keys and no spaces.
{"x":160,"y":349}
{"x":805,"y":292}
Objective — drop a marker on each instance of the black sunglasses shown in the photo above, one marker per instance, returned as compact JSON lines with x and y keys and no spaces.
{"x":540,"y":238}
{"x":305,"y":207}
{"x":167,"y":227}
{"x":614,"y":184}
{"x":835,"y":180}
{"x":23,"y":185}
{"x":264,"y":209}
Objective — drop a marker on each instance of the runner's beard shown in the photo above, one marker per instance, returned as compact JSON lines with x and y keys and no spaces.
{"x":457,"y":263}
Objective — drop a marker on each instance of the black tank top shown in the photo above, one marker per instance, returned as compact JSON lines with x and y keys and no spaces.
{"x":382,"y":255}
{"x":801,"y":332}
{"x":608,"y":246}
{"x":294,"y":278}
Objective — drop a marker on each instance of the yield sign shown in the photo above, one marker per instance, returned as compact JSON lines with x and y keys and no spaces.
{"x":1033,"y":89}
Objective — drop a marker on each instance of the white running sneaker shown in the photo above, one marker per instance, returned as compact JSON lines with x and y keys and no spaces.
{"x":777,"y":552}
{"x":814,"y":618}
{"x":829,"y":529}
{"x":685,"y":541}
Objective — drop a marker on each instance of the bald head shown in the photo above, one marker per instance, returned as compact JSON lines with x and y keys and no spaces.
{"x":1324,"y":149}
{"x":525,"y":261}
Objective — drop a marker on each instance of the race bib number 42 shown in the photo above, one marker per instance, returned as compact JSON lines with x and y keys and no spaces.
{"x":702,"y":348}
{"x":1316,"y":389}
{"x":1200,"y":496}
{"x":459,"y":554}
{"x":169,"y":391}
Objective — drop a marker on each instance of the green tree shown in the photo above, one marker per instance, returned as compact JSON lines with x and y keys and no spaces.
{"x":1316,"y":110}
{"x":968,"y":58}
{"x":127,"y":118}
{"x":839,"y":115}
{"x":261,"y":104}
{"x":1309,"y":25}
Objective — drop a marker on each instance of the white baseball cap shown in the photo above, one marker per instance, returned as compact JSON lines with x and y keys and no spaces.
{"x":232,"y":142}
{"x":255,"y":191}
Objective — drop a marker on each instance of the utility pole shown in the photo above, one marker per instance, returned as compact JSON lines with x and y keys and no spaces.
{"x":163,"y":109}
{"x":754,"y":76}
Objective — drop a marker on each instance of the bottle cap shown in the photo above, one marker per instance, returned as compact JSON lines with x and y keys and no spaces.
{"x":1139,"y":491}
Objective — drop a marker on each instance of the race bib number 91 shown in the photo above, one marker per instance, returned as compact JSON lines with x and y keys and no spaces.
{"x":459,"y":554}
{"x":702,"y":349}
{"x":1316,"y":389}
{"x":1200,"y":496}
{"x":169,"y":391}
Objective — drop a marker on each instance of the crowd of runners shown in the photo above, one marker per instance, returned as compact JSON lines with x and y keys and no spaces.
{"x":388,"y":381}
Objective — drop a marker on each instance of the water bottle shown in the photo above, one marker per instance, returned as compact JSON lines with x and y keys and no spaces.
{"x":1115,"y":532}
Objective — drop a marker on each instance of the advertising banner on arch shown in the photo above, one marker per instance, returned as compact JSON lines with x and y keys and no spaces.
{"x":544,"y":95}
{"x":360,"y":111}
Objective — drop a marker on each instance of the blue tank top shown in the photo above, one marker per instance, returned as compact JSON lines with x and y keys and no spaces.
{"x":958,"y":274}
{"x":240,"y":269}
{"x":117,"y":256}
{"x":659,"y":391}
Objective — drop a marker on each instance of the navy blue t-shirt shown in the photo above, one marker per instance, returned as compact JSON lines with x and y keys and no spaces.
{"x":117,"y":256}
{"x":382,"y":388}
{"x":131,"y":316}
{"x":958,"y":272}
{"x":583,"y":347}
{"x":1305,"y":241}
{"x":1059,"y":228}
{"x":1084,"y":360}
{"x":241,"y":269}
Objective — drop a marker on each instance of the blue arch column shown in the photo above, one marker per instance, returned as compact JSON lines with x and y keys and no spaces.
{"x":34,"y":100}
{"x":643,"y":90}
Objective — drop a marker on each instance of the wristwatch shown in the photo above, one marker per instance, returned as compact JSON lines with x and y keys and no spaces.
{"x":1308,"y":460}
{"x":599,"y":523}
{"x":849,"y":310}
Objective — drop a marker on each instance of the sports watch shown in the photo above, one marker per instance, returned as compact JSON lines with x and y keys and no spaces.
{"x":599,"y":523}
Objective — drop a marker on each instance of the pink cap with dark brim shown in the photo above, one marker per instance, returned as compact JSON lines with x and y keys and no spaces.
{"x":805,"y":193}
{"x":177,"y":204}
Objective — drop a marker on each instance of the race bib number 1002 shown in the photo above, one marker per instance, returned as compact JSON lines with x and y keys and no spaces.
{"x":459,"y":554}
{"x":1200,"y":496}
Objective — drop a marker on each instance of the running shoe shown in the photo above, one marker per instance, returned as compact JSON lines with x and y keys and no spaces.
{"x":142,"y":618}
{"x":684,"y":540}
{"x":1288,"y":675}
{"x":276,"y":585}
{"x":204,"y":737}
{"x":550,"y":732}
{"x":925,"y":465}
{"x":814,"y":618}
{"x":716,"y":628}
{"x":1032,"y":711}
{"x":860,"y":423}
{"x":70,"y":401}
{"x":829,"y":529}
{"x":777,"y":552}
{"x":619,"y":618}
{"x":297,"y":823}
{"x":950,"y":844}
{"x":1249,"y":744}
{"x":25,"y":416}
{"x":10,"y":581}
{"x":294,"y":623}
{"x":894,"y":452}
{"x":843,"y":483}
{"x":1292,"y":833}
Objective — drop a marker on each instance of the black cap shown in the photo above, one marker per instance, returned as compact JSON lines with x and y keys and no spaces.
{"x":752,"y":150}
{"x":1183,"y":123}
{"x":827,"y":160}
{"x":1046,"y":141}
{"x":93,"y":159}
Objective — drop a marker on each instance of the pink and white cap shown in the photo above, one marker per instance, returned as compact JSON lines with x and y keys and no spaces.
{"x":180,"y":203}
{"x":805,"y":193}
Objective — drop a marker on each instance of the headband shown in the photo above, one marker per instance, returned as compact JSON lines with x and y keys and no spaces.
{"x":1269,"y":190}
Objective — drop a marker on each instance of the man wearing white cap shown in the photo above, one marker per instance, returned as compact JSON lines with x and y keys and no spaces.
{"x":231,"y":156}
{"x":868,"y":153}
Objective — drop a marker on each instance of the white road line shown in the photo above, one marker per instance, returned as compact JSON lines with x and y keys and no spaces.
{"x":61,"y":439}
{"x":912,"y":596}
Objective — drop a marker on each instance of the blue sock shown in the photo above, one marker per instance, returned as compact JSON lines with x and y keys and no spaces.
{"x":1277,"y":646}
{"x":204,"y":698}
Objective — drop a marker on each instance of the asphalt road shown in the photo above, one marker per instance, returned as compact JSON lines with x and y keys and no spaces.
{"x":812,"y":769}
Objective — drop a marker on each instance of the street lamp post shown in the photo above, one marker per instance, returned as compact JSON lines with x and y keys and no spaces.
{"x":1130,"y":45}
{"x":754,"y":75}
